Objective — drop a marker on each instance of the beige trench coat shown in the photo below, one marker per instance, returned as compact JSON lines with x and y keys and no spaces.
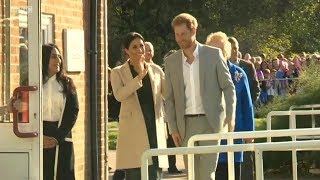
{"x":132,"y":137}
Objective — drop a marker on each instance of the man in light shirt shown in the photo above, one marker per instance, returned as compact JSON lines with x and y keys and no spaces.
{"x":200,"y":95}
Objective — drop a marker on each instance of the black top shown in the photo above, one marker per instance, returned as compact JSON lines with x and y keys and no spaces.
{"x":145,"y":92}
{"x":249,"y":69}
{"x":145,"y":97}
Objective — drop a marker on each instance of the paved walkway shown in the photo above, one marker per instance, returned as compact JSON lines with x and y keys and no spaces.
{"x":180,"y":166}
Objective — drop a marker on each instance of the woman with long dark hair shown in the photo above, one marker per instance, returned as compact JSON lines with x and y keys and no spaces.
{"x":139,"y":87}
{"x":60,"y":111}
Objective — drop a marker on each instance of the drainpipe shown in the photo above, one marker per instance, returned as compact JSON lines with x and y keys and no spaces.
{"x":95,"y":167}
{"x":106,"y":90}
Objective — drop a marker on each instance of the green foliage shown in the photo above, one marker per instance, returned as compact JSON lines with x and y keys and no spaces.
{"x":308,"y":93}
{"x":261,"y":36}
{"x":112,"y":135}
{"x":272,"y":27}
{"x":303,"y":19}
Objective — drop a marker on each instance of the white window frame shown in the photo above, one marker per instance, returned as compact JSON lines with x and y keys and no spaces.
{"x":46,"y":25}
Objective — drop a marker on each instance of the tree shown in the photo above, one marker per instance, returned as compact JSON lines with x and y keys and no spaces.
{"x":268,"y":26}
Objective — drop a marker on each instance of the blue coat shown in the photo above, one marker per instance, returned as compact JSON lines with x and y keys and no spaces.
{"x":244,"y":108}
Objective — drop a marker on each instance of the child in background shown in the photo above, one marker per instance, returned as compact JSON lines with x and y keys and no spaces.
{"x":282,"y":81}
{"x":264,"y":93}
{"x":271,"y":82}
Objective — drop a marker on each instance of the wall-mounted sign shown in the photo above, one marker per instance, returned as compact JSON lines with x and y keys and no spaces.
{"x":73,"y":43}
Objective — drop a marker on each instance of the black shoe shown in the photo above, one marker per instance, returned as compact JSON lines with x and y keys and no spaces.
{"x":174,"y":171}
{"x":119,"y":175}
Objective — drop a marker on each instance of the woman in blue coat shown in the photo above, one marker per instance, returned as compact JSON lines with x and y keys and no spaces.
{"x":244,"y":109}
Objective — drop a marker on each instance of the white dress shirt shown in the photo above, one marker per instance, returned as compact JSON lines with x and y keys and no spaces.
{"x":191,"y":80}
{"x":53,"y":100}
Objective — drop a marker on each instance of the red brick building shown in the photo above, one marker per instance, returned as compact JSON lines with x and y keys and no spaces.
{"x":57,"y":16}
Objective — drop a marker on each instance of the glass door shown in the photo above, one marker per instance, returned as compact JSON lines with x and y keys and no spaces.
{"x":20,"y":79}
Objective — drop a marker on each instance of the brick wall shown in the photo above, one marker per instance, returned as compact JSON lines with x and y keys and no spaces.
{"x":70,"y":14}
{"x":9,"y":53}
{"x":73,"y":14}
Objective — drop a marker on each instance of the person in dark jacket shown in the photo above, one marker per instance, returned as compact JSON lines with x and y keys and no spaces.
{"x":247,"y":170}
{"x":248,"y":68}
{"x":60,"y":111}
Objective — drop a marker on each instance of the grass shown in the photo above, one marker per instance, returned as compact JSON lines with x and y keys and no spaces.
{"x":113,"y":132}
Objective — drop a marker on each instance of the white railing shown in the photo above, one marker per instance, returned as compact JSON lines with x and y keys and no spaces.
{"x":308,"y":106}
{"x":205,"y":137}
{"x":257,"y":147}
{"x":292,"y":125}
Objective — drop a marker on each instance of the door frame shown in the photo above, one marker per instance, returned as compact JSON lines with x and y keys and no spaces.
{"x":35,"y":79}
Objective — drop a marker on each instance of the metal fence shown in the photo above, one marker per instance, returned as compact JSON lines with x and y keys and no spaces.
{"x":257,"y":147}
{"x":293,"y":125}
{"x":293,"y":145}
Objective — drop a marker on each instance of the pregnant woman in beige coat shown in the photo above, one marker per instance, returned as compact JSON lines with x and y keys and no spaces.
{"x":139,"y":87}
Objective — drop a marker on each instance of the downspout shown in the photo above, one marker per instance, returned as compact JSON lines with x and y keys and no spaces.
{"x":106,"y":90}
{"x":95,"y":168}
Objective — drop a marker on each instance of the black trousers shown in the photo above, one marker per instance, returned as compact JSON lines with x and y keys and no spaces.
{"x":222,"y":171}
{"x":247,"y":170}
{"x":48,"y":163}
{"x":119,"y":174}
{"x":171,"y":158}
{"x":65,"y":166}
{"x":155,"y":173}
{"x":65,"y":170}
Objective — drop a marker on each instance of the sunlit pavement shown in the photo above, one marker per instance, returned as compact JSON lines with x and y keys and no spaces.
{"x":180,"y":166}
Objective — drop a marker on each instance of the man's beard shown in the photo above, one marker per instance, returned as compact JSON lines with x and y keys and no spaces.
{"x":185,"y":44}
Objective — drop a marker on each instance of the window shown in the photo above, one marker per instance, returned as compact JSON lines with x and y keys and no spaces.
{"x":46,"y":27}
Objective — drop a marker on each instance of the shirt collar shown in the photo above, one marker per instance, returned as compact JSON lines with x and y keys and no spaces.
{"x":237,"y":62}
{"x":195,"y":53}
{"x":52,"y":78}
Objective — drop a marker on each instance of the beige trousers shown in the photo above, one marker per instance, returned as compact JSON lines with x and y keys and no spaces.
{"x":204,"y":164}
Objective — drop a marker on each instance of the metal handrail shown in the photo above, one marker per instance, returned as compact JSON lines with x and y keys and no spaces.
{"x":292,"y":125}
{"x":301,"y":145}
{"x":242,"y":135}
{"x":288,"y":113}
{"x":307,"y":106}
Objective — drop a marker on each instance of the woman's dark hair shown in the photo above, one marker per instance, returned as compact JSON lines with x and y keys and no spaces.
{"x":128,"y":38}
{"x":262,"y":63}
{"x":272,"y":62}
{"x":67,"y":82}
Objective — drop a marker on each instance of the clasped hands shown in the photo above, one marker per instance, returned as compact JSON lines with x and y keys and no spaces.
{"x":49,"y":142}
